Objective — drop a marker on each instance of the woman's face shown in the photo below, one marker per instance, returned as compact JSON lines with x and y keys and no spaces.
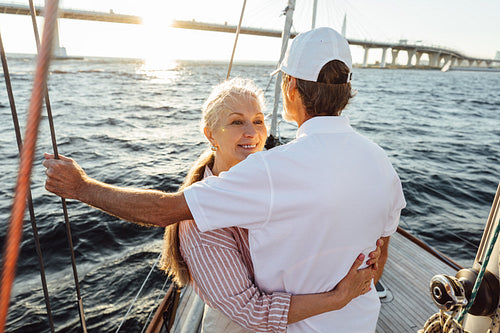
{"x":239,"y":133}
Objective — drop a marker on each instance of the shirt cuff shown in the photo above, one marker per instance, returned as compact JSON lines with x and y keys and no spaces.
{"x":195,"y":208}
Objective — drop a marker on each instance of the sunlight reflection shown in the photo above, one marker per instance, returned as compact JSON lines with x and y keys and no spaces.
{"x":158,"y":40}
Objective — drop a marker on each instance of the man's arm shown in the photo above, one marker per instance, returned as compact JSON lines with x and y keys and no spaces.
{"x":68,"y":180}
{"x":384,"y":248}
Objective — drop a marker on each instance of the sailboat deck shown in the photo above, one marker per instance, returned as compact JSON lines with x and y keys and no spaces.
{"x":406,"y":307}
{"x":407,"y":275}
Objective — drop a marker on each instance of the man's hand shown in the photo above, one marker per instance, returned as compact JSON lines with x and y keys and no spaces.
{"x":64,"y":176}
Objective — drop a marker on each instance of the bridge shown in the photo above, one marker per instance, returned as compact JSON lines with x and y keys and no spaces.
{"x":437,"y":56}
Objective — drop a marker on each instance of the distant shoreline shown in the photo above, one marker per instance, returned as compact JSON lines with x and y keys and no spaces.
{"x":31,"y":57}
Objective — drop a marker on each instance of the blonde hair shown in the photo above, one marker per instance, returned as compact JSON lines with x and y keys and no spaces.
{"x":226,"y":96}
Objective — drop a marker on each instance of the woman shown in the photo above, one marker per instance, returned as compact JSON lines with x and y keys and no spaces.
{"x":218,"y":263}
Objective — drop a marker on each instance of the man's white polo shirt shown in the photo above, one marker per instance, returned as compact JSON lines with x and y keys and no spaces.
{"x":311,"y":207}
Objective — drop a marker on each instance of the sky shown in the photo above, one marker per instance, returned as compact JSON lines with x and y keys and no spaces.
{"x":472,"y":27}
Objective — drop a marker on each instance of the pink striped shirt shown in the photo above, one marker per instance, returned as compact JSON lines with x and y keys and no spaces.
{"x":222,"y":272}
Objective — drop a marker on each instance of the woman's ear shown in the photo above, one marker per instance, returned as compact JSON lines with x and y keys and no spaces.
{"x":209,"y":135}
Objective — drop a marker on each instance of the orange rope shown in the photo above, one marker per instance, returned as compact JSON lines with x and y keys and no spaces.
{"x":14,"y":234}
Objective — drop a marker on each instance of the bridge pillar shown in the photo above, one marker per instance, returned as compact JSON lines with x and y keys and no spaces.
{"x":394,"y":56}
{"x":411,"y":53}
{"x":434,"y":58}
{"x":442,"y":58}
{"x":59,"y":52}
{"x":447,"y":59}
{"x":382,"y":62}
{"x":418,"y":57}
{"x":365,"y":57}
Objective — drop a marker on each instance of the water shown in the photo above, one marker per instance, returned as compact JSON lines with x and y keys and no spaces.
{"x":132,"y":126}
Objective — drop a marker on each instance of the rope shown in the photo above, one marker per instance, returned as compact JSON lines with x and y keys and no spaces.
{"x":137,"y":295}
{"x":63,"y":201}
{"x":14,"y":233}
{"x":30,"y":200}
{"x":442,"y":322}
{"x":236,"y":39}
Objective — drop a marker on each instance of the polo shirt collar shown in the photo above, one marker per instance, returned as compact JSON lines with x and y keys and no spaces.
{"x":325,"y":124}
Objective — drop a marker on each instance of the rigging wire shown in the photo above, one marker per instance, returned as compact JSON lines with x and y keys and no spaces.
{"x":155,"y":302}
{"x":416,"y":234}
{"x":364,"y":31}
{"x":56,"y":156}
{"x":138,"y":293}
{"x":30,"y":199}
{"x":14,"y":232}
{"x":236,"y":39}
{"x":285,"y":36}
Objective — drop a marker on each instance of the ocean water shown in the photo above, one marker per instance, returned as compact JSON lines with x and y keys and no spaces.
{"x":131,"y":125}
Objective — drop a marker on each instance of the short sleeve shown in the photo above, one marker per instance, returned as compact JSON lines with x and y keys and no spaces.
{"x":397,"y":203}
{"x":240,"y":197}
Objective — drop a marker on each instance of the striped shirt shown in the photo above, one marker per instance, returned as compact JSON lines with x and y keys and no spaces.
{"x":221,"y":268}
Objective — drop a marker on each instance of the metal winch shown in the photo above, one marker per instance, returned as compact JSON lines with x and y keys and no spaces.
{"x":451,"y":293}
{"x":447,"y":292}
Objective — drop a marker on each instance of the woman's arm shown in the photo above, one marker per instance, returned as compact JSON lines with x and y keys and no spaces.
{"x":68,"y":180}
{"x":223,"y":281}
{"x":384,"y":253}
{"x":355,"y":283}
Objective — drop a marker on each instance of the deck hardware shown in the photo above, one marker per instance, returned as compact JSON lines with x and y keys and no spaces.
{"x":486,"y":300}
{"x":447,"y":292}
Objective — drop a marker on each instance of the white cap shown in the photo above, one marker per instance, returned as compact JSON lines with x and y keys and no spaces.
{"x":313,"y":49}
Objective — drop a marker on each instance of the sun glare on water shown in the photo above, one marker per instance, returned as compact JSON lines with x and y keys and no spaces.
{"x":158,"y":39}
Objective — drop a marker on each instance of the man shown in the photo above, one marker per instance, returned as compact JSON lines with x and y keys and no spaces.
{"x":311,"y":206}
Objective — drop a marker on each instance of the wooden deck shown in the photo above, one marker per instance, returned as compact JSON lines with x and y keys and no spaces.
{"x":405,"y":309}
{"x":407,"y":275}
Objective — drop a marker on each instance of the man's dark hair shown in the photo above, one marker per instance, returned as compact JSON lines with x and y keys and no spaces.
{"x":330,"y":94}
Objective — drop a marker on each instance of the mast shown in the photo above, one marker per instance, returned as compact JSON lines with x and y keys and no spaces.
{"x":482,"y":323}
{"x":474,"y":296}
{"x":344,"y":26}
{"x":277,"y":89}
{"x":236,"y":39}
{"x":315,"y":7}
